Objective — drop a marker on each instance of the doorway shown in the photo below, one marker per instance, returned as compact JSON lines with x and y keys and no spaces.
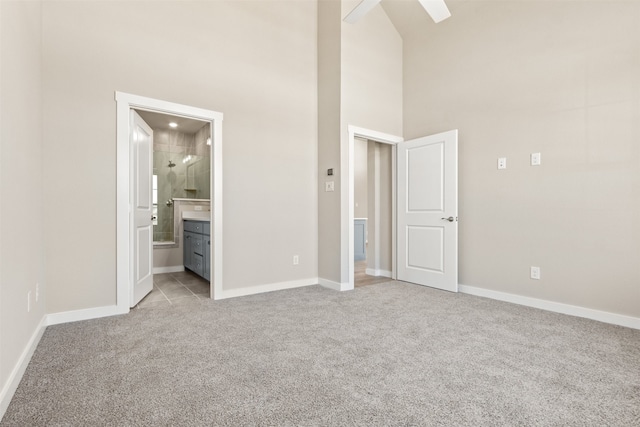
{"x":373,"y":212}
{"x":125,"y":237}
{"x":181,"y":151}
{"x":424,"y":211}
{"x":380,"y":138}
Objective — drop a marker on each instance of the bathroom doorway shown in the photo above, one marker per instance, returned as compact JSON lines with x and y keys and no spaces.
{"x":180,"y":189}
{"x":181,"y":172}
{"x":209,"y":125}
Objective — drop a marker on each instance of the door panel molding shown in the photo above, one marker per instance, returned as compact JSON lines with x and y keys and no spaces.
{"x":428,"y":229}
{"x":422,"y":235}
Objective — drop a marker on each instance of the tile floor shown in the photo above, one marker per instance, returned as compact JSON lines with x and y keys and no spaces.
{"x":175,"y":288}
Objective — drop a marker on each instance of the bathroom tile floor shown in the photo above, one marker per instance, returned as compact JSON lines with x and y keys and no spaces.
{"x":175,"y":288}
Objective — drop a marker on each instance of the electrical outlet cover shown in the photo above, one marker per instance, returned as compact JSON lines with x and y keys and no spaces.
{"x":535,"y":273}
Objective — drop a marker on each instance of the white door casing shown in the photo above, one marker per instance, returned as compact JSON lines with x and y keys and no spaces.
{"x":142,"y":156}
{"x":348,"y":211}
{"x":124,"y":199}
{"x":427,"y":219}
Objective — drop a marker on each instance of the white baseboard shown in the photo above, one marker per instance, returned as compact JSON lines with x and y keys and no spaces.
{"x":378,"y":273}
{"x":170,"y":269}
{"x":270,"y":287}
{"x":557,"y":307}
{"x":84,"y":314}
{"x":334,"y":285}
{"x":9,"y":388}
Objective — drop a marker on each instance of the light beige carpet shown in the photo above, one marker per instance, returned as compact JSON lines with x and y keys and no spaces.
{"x":386,"y":354}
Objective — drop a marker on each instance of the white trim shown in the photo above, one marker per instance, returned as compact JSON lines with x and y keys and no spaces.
{"x":347,"y":209}
{"x":330,"y":284}
{"x":216,"y":208}
{"x":394,"y":211}
{"x":378,"y":273}
{"x":170,"y":269}
{"x":376,"y":205}
{"x":270,"y":287}
{"x":13,"y":381}
{"x":124,"y":103}
{"x":84,"y":314}
{"x":556,"y":307}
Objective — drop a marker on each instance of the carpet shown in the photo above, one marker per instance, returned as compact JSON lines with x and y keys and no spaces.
{"x":391,"y":354}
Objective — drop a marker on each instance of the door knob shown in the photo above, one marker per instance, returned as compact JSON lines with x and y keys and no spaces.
{"x":450,"y":219}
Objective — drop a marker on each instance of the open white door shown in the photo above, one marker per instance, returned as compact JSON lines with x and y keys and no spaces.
{"x":142,"y":250}
{"x":428,"y":211}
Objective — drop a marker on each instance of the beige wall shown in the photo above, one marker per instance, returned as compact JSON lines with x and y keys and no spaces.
{"x":21,"y":213}
{"x":368,"y":57}
{"x":559,"y":78}
{"x":256,"y":62}
{"x":329,"y":110}
{"x":371,"y":72}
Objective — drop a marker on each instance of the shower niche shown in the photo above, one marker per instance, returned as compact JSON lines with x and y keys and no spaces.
{"x":181,"y":168}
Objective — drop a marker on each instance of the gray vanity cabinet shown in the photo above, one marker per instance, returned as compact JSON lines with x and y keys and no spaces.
{"x":196,"y":247}
{"x":206,"y":245}
{"x":187,"y":252}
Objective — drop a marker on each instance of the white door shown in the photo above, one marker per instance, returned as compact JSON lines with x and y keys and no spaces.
{"x":141,"y":141}
{"x":428,"y":211}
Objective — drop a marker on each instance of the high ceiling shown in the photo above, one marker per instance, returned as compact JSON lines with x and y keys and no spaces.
{"x":408,"y":16}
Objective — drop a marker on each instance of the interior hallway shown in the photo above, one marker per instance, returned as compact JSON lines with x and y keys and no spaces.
{"x":361,"y":278}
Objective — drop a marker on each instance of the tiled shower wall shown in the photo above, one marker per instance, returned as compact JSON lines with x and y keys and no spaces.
{"x":203,"y":166}
{"x":175,"y":146}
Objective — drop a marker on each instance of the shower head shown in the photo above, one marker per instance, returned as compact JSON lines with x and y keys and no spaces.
{"x":171,"y":164}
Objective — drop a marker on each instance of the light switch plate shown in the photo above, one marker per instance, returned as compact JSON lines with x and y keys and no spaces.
{"x":329,"y":186}
{"x":502,"y":163}
{"x":535,"y":159}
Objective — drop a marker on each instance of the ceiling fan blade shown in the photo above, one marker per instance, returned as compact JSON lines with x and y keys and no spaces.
{"x":360,"y":10}
{"x":437,"y":9}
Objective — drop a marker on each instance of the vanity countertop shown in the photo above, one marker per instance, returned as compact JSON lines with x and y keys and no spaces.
{"x":196,"y":215}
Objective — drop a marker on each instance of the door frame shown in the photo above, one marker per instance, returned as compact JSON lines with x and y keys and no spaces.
{"x":348,"y":198}
{"x":124,"y":224}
